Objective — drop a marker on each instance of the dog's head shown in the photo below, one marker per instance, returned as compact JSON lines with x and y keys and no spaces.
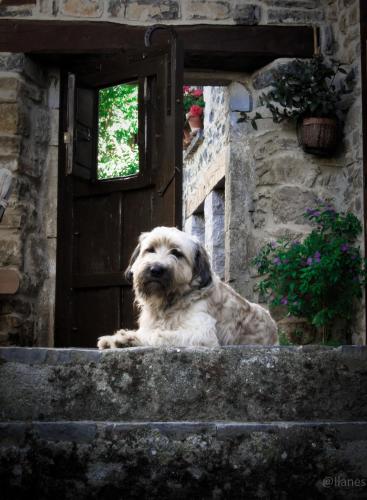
{"x":168,"y":263}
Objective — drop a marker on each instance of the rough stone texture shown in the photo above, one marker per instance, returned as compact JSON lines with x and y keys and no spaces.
{"x":292,"y":16}
{"x":240,"y":384}
{"x":211,"y":9}
{"x":247,"y":14}
{"x":206,"y":167}
{"x":28,"y":148}
{"x":182,"y":460}
{"x":82,"y":8}
{"x":214,"y":230}
{"x":145,"y":10}
{"x":195,"y":225}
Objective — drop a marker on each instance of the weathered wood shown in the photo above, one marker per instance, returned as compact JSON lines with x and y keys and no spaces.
{"x":101,"y":220}
{"x":206,"y":46}
{"x":9,"y":281}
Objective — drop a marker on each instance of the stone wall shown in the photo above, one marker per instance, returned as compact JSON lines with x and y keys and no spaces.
{"x":269,"y":180}
{"x":248,"y":12}
{"x":28,"y":148}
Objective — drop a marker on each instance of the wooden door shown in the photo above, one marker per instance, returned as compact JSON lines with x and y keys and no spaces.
{"x":100,"y":220}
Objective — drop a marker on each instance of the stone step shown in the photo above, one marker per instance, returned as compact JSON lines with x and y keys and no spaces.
{"x":180,"y":460}
{"x":242,"y":383}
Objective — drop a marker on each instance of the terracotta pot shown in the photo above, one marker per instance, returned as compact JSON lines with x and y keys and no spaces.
{"x":298,"y":330}
{"x":319,"y":136}
{"x":195,"y":122}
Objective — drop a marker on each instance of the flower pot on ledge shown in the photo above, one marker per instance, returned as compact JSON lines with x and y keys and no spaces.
{"x":195,"y":118}
{"x":298,"y":330}
{"x":319,"y":135}
{"x":196,"y":123}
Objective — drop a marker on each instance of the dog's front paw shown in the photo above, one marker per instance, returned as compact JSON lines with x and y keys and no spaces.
{"x":123,"y":338}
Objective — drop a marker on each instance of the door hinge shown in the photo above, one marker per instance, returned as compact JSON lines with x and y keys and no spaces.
{"x":67,"y":138}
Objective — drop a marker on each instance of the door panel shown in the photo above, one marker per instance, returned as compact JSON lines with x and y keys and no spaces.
{"x":100,"y":221}
{"x":97,"y":234}
{"x":94,"y":307}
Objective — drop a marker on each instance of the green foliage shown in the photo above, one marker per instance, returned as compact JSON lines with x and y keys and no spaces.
{"x":320,"y":278}
{"x":301,"y":89}
{"x":192,"y":96}
{"x":283,"y":338}
{"x":118,"y":152}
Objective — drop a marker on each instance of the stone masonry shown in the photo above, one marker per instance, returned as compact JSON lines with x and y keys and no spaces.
{"x":269,"y":181}
{"x":29,"y":100}
{"x":224,"y":423}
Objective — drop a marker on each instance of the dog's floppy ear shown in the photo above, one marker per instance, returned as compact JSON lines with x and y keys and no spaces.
{"x":128,"y":272}
{"x":202,"y":269}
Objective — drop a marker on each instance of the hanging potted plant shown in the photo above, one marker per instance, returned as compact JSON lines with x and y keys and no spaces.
{"x":195,"y":118}
{"x":193,"y":103}
{"x":320,"y":278}
{"x":310,"y":93}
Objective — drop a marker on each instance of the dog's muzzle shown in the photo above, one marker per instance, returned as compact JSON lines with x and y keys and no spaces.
{"x":156,"y":278}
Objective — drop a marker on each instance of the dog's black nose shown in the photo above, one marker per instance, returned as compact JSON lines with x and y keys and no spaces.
{"x":157,"y":270}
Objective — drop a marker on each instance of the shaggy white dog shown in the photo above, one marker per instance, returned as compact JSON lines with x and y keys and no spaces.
{"x":182,"y":302}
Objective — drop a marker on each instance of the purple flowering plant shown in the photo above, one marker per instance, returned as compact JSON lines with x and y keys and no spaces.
{"x":318,"y":278}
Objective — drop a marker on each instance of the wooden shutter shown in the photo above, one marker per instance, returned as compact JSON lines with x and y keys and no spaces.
{"x":81,"y":134}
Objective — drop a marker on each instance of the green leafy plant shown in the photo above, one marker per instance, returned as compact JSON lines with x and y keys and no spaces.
{"x":305,"y":88}
{"x":192,"y":96}
{"x":318,"y":278}
{"x":118,"y":151}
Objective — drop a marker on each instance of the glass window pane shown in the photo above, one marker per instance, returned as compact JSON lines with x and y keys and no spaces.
{"x":118,"y":150}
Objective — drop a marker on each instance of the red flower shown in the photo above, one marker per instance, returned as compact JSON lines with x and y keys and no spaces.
{"x":197,"y":93}
{"x":196,"y":110}
{"x":186,"y":88}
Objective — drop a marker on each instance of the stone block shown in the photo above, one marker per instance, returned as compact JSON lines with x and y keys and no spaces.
{"x":214,"y":230}
{"x":82,"y":8}
{"x":168,"y":460}
{"x":238,"y":384}
{"x":327,"y":39}
{"x":11,"y":248}
{"x":10,"y":122}
{"x":195,"y":226}
{"x":9,"y":89}
{"x":52,"y":120}
{"x":12,"y":62}
{"x":146,"y":10}
{"x":13,"y":219}
{"x":280,"y":169}
{"x":9,"y":145}
{"x":290,"y":202}
{"x":15,"y":11}
{"x":293,"y":4}
{"x":211,"y":9}
{"x":247,"y":14}
{"x":53,"y":95}
{"x":291,"y":16}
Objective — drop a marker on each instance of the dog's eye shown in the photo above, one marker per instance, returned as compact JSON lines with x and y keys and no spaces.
{"x":150,"y":250}
{"x":176,"y":253}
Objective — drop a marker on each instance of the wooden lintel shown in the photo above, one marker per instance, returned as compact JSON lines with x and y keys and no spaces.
{"x":57,"y":37}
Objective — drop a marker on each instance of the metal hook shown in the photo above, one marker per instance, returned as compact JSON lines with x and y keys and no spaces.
{"x":151,"y":29}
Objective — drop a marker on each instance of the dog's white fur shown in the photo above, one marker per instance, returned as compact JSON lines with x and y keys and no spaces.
{"x":188,"y":305}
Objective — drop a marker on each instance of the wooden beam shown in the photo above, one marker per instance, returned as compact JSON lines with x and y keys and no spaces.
{"x":95,"y":37}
